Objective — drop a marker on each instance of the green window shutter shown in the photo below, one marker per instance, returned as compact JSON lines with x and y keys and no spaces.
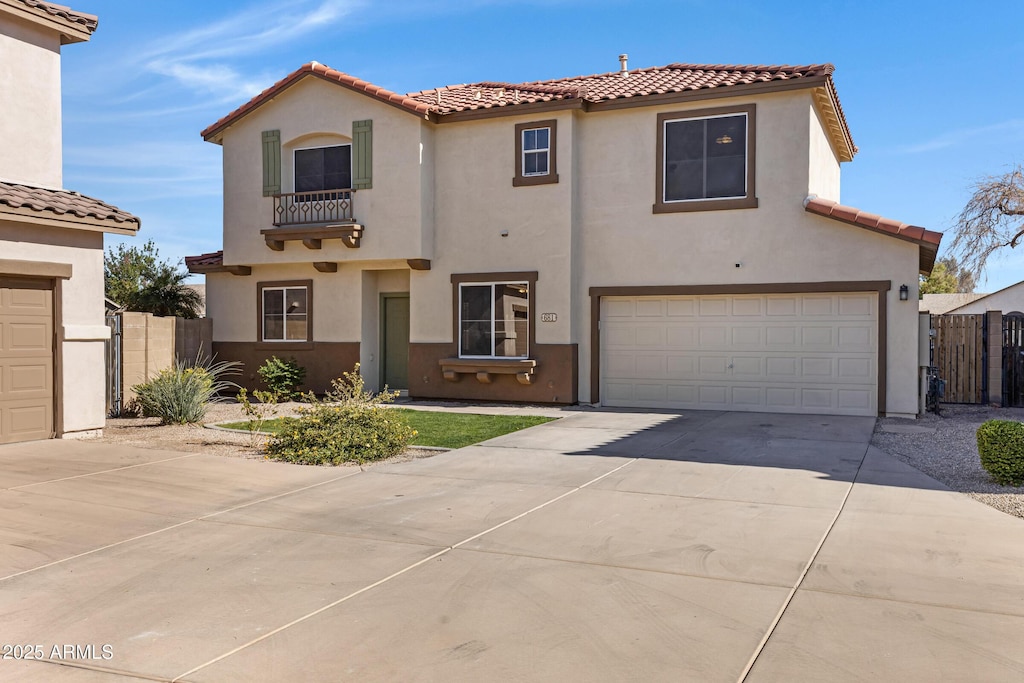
{"x":362,"y":155}
{"x":271,"y":162}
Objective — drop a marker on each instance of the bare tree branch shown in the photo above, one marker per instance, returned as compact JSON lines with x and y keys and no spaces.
{"x":993,"y":219}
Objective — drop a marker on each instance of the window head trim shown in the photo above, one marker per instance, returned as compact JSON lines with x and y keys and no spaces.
{"x":747,"y":201}
{"x":283,"y":285}
{"x":551,"y":176}
{"x":483,"y":279}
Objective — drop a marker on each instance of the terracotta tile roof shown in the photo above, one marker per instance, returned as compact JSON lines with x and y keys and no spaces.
{"x":71,"y":206}
{"x":214,"y":258}
{"x":639,"y":83}
{"x":79,"y":20}
{"x":656,"y":80}
{"x":328,"y":74}
{"x":927,"y":239}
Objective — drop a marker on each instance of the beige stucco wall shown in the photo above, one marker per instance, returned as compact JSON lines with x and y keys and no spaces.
{"x":311,"y":113}
{"x":476,"y":202}
{"x":82,"y":310}
{"x":823,"y":173}
{"x":31,"y":128}
{"x":1006,"y":300}
{"x":625,"y":244}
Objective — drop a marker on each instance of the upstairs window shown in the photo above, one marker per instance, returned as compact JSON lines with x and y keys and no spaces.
{"x":494,"y":320}
{"x":705,"y":160}
{"x":535,"y":153}
{"x":323,"y":168}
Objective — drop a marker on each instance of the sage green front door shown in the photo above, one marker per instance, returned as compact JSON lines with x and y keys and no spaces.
{"x":395,"y":341}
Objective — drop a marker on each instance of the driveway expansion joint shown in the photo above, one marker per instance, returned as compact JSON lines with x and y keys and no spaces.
{"x":181,"y":677}
{"x":800,"y":579}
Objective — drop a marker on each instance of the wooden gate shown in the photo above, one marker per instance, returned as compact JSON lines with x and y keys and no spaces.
{"x":960,"y":355}
{"x":1013,"y":360}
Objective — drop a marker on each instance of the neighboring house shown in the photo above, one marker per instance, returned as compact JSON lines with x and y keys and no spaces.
{"x":52,"y":370}
{"x":938,"y":304}
{"x":1008,"y":300}
{"x":665,"y":237}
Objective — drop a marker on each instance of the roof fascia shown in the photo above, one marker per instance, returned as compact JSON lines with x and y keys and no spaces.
{"x":26,"y":215}
{"x":215,"y":136}
{"x":69,"y":31}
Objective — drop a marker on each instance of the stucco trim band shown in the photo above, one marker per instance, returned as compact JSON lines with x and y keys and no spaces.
{"x":47,"y":269}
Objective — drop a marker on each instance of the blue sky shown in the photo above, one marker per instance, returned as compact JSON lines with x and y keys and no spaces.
{"x":931,"y":90}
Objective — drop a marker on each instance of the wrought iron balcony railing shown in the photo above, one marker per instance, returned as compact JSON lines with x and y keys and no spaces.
{"x":313,"y":208}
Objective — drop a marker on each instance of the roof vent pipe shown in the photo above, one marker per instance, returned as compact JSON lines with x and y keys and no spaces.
{"x":623,"y":69}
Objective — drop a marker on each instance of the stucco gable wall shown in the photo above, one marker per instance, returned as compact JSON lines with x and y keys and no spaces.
{"x":30,"y":126}
{"x":1006,"y":300}
{"x":312,"y":113}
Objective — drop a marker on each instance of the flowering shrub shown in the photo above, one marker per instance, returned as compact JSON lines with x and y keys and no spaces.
{"x":349,"y":425}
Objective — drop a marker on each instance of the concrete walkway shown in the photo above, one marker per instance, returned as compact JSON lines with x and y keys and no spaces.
{"x":603,"y":546}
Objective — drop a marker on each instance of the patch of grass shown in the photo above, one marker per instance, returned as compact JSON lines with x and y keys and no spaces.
{"x":441,"y":429}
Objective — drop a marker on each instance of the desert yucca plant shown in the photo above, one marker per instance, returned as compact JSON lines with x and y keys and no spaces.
{"x":182,"y":394}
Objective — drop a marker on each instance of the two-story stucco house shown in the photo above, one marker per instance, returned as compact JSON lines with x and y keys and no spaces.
{"x":663,"y":237}
{"x":52,"y":369}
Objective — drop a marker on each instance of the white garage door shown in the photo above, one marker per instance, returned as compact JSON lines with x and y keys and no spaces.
{"x":792,"y":353}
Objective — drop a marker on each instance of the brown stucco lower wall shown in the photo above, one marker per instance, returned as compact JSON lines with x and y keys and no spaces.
{"x":554,"y":380}
{"x":323,"y":361}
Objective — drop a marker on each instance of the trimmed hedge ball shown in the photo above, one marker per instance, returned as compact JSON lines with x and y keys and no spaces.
{"x":1001,"y":448}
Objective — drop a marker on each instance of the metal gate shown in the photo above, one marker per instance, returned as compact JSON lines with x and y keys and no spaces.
{"x":113,"y":350}
{"x":1013,"y":360}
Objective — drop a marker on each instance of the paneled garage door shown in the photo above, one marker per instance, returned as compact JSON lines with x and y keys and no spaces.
{"x":795,"y":353}
{"x":26,"y":360}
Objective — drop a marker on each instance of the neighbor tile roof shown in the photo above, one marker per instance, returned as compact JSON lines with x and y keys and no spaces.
{"x":638,"y":83}
{"x":64,"y":203}
{"x":656,"y":80}
{"x":927,"y":239}
{"x":944,"y":303}
{"x":214,"y":258}
{"x":80,"y":20}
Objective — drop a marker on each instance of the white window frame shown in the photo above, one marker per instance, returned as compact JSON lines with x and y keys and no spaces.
{"x":303,"y":149}
{"x":545,"y":150}
{"x":664,"y":157}
{"x":492,"y":286}
{"x":284,"y":315}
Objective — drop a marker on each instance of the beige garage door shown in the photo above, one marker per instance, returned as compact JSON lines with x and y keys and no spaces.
{"x":26,"y":360}
{"x":794,"y":353}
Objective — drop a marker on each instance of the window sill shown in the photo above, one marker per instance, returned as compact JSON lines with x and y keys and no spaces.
{"x":483,"y":368}
{"x":706,"y":205}
{"x":285,"y":345}
{"x":526,"y":181}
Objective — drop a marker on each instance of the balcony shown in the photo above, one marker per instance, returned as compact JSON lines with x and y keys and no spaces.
{"x":313,"y":208}
{"x":311,"y":217}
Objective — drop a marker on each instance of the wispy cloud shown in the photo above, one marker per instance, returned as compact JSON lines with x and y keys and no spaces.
{"x":1012,"y":129}
{"x":200,"y":58}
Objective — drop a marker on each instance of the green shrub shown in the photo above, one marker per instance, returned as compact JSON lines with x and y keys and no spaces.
{"x":182,"y":394}
{"x":282,"y":376}
{"x":349,"y":425}
{"x":1001,"y":447}
{"x":257,"y":414}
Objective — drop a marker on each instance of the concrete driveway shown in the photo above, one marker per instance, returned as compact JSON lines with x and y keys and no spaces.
{"x":604,"y":546}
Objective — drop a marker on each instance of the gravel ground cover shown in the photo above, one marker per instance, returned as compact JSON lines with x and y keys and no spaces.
{"x":950,"y":452}
{"x":147,"y":432}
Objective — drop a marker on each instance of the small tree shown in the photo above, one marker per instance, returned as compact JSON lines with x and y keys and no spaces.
{"x":993,"y":219}
{"x":939,"y":281}
{"x":136,"y":278}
